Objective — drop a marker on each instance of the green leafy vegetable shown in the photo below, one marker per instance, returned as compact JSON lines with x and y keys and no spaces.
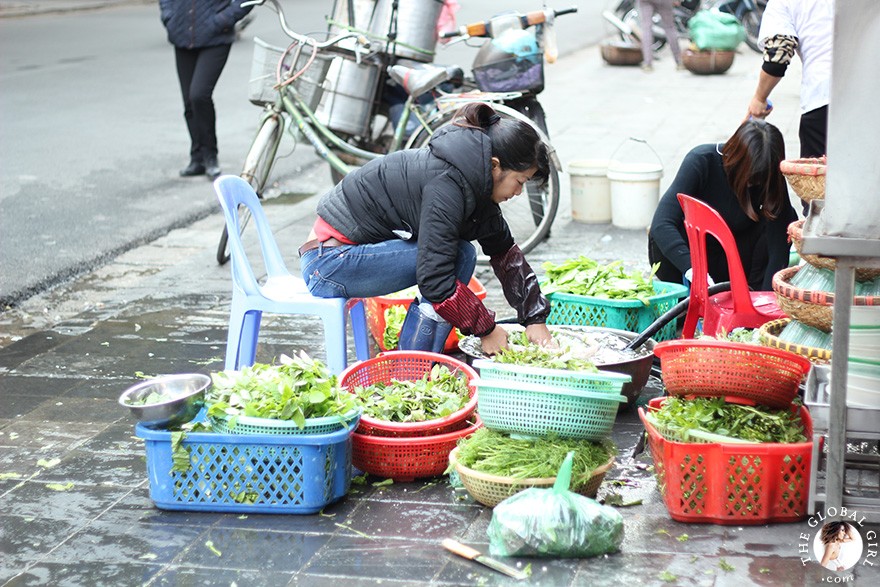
{"x":726,"y":566}
{"x":439,"y":393}
{"x":521,"y":351}
{"x":210,"y":546}
{"x":667,"y":576}
{"x":394,"y":317}
{"x":494,"y":453}
{"x":60,"y":486}
{"x":297,"y":389}
{"x":586,"y":277}
{"x":714,"y":415}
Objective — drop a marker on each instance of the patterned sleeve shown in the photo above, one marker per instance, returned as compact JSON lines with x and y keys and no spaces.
{"x":778,"y":52}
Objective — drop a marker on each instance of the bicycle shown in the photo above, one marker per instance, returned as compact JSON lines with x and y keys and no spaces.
{"x":289,"y":84}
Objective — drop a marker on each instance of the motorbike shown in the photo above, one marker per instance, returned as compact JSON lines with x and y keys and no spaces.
{"x":625,"y":17}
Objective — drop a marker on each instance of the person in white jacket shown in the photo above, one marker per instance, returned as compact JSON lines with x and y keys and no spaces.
{"x":804,"y":27}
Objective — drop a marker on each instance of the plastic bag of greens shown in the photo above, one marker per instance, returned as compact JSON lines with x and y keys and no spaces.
{"x":721,"y":31}
{"x":554,"y":522}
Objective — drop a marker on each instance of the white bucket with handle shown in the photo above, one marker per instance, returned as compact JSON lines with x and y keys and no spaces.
{"x":590,"y":191}
{"x":634,"y":181}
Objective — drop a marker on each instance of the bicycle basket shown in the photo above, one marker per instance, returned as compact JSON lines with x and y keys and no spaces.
{"x":261,"y":85}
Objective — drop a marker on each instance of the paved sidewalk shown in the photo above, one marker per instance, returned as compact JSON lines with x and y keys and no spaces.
{"x":65,"y":356}
{"x":18,"y":8}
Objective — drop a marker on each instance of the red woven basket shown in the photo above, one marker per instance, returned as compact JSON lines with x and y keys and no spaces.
{"x":406,"y":459}
{"x":408,"y":366}
{"x":714,"y":368}
{"x":732,"y":484}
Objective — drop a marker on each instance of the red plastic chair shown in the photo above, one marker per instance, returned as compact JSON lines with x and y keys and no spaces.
{"x":737,"y":308}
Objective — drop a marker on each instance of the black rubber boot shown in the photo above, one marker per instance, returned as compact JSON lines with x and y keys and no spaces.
{"x":421,"y":332}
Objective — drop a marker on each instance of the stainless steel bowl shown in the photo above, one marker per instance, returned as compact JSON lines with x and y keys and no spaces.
{"x":185,"y":395}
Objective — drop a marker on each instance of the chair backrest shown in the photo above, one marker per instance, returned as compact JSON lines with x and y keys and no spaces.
{"x":701,"y":220}
{"x":233,"y":191}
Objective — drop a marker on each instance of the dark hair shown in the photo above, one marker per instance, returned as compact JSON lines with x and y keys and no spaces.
{"x":831,"y":529}
{"x":515,"y":143}
{"x":751,"y":159}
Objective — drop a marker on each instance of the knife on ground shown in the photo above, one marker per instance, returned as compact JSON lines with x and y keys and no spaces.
{"x":474,"y":555}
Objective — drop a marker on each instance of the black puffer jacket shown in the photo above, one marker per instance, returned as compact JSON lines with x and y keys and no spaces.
{"x":193,"y":24}
{"x":439,"y":195}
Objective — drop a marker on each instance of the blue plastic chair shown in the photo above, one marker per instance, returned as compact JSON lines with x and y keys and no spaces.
{"x":281,"y":293}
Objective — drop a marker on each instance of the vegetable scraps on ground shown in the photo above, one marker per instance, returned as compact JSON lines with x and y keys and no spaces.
{"x":716,"y":416}
{"x":586,"y":277}
{"x":495,"y":453}
{"x":297,"y":389}
{"x":439,"y":393}
{"x":521,"y":351}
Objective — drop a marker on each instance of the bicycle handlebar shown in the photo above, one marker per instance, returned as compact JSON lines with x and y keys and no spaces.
{"x":484,"y":28}
{"x":362,"y":41}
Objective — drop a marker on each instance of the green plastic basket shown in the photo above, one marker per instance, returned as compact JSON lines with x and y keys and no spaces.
{"x":249,"y":425}
{"x":529,"y":410}
{"x":629,"y":315}
{"x":600,"y":382}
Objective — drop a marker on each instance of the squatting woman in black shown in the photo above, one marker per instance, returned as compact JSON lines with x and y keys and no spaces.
{"x":408,"y":218}
{"x":741,"y":180}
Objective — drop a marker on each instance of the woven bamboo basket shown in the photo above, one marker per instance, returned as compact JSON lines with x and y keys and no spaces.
{"x":709,"y":62}
{"x":768,"y":334}
{"x":619,"y":53}
{"x":814,"y":308}
{"x":806,"y":177}
{"x":811,"y":307}
{"x":490,"y":490}
{"x":796,"y":235}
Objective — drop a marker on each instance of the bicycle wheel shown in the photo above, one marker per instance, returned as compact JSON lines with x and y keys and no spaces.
{"x":257,"y":166}
{"x":531,"y":214}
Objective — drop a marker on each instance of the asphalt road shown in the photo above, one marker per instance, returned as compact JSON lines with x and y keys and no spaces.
{"x":93,"y":134}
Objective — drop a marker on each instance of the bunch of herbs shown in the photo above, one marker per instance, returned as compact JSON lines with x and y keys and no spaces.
{"x":715,"y":415}
{"x":585,"y":277}
{"x":521,"y":351}
{"x":296,"y":389}
{"x":439,"y":393}
{"x":495,"y":453}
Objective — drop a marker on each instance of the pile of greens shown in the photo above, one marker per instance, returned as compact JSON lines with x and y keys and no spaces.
{"x":297,"y":389}
{"x":154,"y":397}
{"x":394,"y":316}
{"x":521,"y":351}
{"x":495,"y":453}
{"x":745,"y":335}
{"x":436,"y":395}
{"x":714,"y":415}
{"x":585,"y":277}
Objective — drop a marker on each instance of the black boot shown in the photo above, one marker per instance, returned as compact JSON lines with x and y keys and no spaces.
{"x":212,"y":168}
{"x":421,"y":332}
{"x":194,"y":168}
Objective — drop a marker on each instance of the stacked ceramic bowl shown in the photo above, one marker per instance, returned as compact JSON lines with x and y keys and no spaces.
{"x":863,"y":373}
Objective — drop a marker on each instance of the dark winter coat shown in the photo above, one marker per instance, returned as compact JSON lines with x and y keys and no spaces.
{"x":194,"y":24}
{"x":438,"y":195}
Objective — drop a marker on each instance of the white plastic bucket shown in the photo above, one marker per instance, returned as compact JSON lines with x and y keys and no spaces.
{"x":590,"y":191}
{"x":635,"y":192}
{"x":634,"y":174}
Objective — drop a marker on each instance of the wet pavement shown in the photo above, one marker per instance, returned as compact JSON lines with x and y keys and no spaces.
{"x":73,"y":482}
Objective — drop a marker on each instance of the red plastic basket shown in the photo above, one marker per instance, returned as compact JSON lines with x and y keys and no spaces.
{"x":714,"y":368}
{"x":408,"y":366}
{"x":376,"y":314}
{"x":732,"y":484}
{"x":406,"y":459}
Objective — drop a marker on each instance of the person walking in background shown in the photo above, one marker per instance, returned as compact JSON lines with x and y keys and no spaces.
{"x":741,"y":180}
{"x":202,"y":32}
{"x":804,"y":27}
{"x":663,"y":8}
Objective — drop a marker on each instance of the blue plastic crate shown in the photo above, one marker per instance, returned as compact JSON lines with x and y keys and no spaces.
{"x":629,"y":315}
{"x":255,"y":473}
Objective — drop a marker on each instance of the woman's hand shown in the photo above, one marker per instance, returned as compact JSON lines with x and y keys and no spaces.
{"x":540,"y":335}
{"x":495,"y":341}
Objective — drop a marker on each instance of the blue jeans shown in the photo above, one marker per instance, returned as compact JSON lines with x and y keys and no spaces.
{"x":365,"y":271}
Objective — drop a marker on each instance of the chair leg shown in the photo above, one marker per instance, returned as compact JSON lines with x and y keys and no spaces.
{"x":335,"y":342}
{"x":233,"y":339}
{"x":359,"y":330}
{"x":250,"y":333}
{"x":690,"y":320}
